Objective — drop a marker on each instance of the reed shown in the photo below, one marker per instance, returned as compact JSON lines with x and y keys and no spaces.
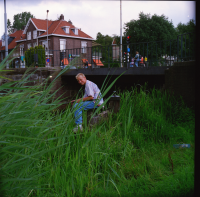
{"x":127,"y":155}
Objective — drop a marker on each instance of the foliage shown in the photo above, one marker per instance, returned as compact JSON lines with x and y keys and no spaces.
{"x":112,"y":64}
{"x":148,"y":29}
{"x":104,"y":40}
{"x":105,"y":50}
{"x":20,"y":20}
{"x":29,"y":56}
{"x":185,"y":28}
{"x":130,"y":154}
{"x":9,"y":26}
{"x":188,"y":40}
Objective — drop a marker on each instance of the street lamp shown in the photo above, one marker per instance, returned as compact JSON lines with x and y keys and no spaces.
{"x":6,"y":37}
{"x":47,"y":40}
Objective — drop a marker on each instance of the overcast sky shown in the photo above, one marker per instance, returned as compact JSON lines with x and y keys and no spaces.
{"x":94,"y":16}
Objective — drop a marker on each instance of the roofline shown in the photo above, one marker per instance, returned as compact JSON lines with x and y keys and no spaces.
{"x":30,"y":20}
{"x":25,"y":29}
{"x":66,"y":36}
{"x":41,"y":30}
{"x":20,"y":40}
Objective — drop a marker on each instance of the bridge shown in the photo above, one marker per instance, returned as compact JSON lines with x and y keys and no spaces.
{"x":118,"y":71}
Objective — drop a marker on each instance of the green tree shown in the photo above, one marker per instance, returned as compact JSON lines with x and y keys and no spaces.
{"x":9,"y":27}
{"x":105,"y":50}
{"x":187,"y":39}
{"x":151,"y":29}
{"x":185,"y":28}
{"x":21,"y":20}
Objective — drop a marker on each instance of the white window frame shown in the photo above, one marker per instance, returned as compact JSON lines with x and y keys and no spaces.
{"x":84,"y":46}
{"x":29,"y":35}
{"x":66,"y":29}
{"x":34,"y":44}
{"x":44,"y":44}
{"x":22,"y":50}
{"x":3,"y":43}
{"x":62,"y":44}
{"x":34,"y":34}
{"x":29,"y":45}
{"x":76,"y":31}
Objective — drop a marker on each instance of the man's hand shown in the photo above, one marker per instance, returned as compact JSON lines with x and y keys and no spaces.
{"x":72,"y":102}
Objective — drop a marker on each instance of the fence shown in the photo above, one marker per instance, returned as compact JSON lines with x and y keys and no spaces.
{"x":157,"y":53}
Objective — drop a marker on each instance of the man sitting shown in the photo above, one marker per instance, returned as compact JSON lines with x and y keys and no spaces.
{"x":92,"y":94}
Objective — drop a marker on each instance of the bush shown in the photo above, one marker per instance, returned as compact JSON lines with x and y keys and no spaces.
{"x":112,"y":64}
{"x":29,"y":56}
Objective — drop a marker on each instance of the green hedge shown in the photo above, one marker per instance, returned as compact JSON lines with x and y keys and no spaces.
{"x":29,"y":56}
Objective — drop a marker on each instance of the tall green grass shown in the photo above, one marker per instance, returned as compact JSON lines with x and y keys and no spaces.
{"x":130,"y":154}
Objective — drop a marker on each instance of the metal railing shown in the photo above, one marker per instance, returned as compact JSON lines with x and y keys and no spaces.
{"x":157,"y":53}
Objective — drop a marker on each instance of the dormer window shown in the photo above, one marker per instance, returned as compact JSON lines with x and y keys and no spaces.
{"x":66,"y":29}
{"x":75,"y":30}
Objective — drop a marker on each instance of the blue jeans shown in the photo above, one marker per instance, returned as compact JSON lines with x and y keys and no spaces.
{"x":136,"y":62}
{"x":83,"y":106}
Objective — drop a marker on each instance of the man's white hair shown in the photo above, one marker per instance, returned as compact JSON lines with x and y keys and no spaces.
{"x":80,"y":75}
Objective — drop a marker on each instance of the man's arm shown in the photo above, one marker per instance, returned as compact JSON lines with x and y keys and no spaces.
{"x":88,"y":98}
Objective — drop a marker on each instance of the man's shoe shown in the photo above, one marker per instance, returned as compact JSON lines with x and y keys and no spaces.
{"x":78,"y":127}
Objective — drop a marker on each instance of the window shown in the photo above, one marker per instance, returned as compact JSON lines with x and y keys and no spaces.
{"x":21,"y":50}
{"x":62,"y":44}
{"x":66,"y":29}
{"x":3,"y":42}
{"x":83,"y":46}
{"x":29,"y":45}
{"x":34,"y":34}
{"x":34,"y":44}
{"x":75,"y":30}
{"x":29,"y":35}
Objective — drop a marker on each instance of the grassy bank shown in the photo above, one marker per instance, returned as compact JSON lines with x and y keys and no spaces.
{"x":130,"y":154}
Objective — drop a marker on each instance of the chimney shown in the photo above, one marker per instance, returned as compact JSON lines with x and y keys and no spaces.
{"x":70,"y":21}
{"x":61,"y":17}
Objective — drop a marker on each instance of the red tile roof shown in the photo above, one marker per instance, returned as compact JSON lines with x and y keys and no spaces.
{"x":13,"y":44}
{"x":41,"y":24}
{"x":55,"y":27}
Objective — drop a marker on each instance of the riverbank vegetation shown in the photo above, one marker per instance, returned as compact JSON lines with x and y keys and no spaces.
{"x":130,"y":154}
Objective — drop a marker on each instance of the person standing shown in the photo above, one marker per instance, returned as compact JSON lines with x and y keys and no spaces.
{"x":92,"y":95}
{"x":137,"y":59}
{"x":132,"y":62}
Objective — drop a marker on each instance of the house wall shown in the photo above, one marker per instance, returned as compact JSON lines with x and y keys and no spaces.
{"x":31,"y":28}
{"x":73,"y":47}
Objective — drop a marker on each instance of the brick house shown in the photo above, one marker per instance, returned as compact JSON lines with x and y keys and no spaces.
{"x":63,"y":37}
{"x":12,"y":43}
